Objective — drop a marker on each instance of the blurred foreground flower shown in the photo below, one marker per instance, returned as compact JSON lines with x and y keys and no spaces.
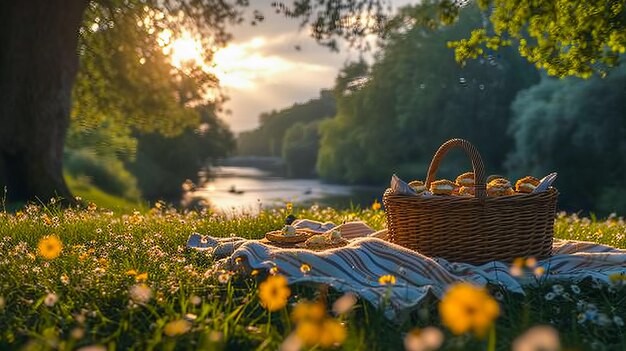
{"x":429,"y":338}
{"x":326,"y":333}
{"x":274,"y":293}
{"x":467,"y":307}
{"x":140,"y":293}
{"x":308,"y":311}
{"x":344,"y":304}
{"x":177,"y":327}
{"x":543,"y":337}
{"x":92,"y":348}
{"x":50,"y":299}
{"x":50,"y":247}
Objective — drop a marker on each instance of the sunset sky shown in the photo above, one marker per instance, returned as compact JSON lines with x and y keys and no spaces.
{"x":261,"y":69}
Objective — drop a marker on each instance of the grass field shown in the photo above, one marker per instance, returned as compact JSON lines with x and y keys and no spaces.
{"x":126,"y":281}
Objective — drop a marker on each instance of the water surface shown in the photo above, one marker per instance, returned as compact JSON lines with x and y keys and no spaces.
{"x":249,"y":189}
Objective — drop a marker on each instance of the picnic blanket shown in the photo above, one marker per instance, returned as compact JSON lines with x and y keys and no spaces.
{"x":358,"y":266}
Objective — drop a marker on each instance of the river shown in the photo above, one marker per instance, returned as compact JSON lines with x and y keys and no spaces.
{"x":250,"y":189}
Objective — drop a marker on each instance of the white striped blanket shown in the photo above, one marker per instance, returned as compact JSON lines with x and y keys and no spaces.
{"x":357,"y":266}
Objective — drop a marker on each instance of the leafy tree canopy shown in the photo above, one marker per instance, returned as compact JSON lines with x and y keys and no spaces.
{"x":566,"y":38}
{"x":417,"y":96}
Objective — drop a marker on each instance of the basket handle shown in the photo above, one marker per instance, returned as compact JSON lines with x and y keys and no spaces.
{"x":474,"y":156}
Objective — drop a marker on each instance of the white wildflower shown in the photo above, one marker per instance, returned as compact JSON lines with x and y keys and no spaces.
{"x":51,"y":299}
{"x":140,"y":293}
{"x":540,"y":337}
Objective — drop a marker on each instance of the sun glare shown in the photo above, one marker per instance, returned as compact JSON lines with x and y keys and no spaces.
{"x":186,"y":50}
{"x":238,"y":65}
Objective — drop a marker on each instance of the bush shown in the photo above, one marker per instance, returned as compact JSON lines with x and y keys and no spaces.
{"x":106,"y":173}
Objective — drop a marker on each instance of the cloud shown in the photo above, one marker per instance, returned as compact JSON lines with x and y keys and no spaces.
{"x":263,"y":71}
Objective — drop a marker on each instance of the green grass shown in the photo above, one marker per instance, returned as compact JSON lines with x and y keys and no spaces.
{"x":90,"y":193}
{"x":94,"y":306}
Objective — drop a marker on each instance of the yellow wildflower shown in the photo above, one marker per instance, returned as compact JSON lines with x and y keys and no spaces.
{"x":141,"y":277}
{"x":333,"y":333}
{"x":518,"y":262}
{"x":289,"y":206}
{"x":274,"y":293}
{"x":387,"y":279}
{"x":466,"y":307}
{"x":615,"y":278}
{"x":305,"y":268}
{"x":539,"y":271}
{"x":92,"y":206}
{"x":274,"y":270}
{"x":531,"y":262}
{"x":308,"y":332}
{"x":308,"y":311}
{"x":46,"y":219}
{"x":131,"y":272}
{"x":376,"y":205}
{"x":177,"y":327}
{"x":50,"y":247}
{"x":254,"y":272}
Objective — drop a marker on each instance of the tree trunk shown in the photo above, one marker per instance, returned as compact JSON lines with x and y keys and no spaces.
{"x":38,"y":64}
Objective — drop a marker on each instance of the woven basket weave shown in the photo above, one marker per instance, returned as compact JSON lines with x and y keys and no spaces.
{"x":475,"y":229}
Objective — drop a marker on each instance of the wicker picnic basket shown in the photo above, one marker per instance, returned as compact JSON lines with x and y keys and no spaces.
{"x":475,"y":229}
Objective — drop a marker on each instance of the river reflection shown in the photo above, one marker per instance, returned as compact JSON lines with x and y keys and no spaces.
{"x":250,"y":189}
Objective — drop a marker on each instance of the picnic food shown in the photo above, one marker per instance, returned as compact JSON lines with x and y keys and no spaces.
{"x":289,"y":234}
{"x":418,"y":186}
{"x":493,"y":177}
{"x":499,"y":187}
{"x":465,"y":179}
{"x":443,"y":187}
{"x":289,"y":230}
{"x":467,"y":191}
{"x":325,"y":241}
{"x":526,"y":184}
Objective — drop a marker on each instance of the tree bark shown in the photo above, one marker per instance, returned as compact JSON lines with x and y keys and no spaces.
{"x":38,"y":64}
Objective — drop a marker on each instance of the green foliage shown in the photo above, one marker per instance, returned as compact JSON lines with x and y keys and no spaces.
{"x":106,"y":173}
{"x":300,"y":145}
{"x":267,"y":139}
{"x":563,"y":37}
{"x":566,"y":38}
{"x":164,"y":163}
{"x":417,"y":97}
{"x":577,"y":128}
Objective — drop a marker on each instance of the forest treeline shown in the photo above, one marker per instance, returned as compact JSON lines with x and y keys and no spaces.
{"x":390,"y":117}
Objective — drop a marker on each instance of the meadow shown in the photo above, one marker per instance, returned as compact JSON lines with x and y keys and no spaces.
{"x":92,"y":279}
